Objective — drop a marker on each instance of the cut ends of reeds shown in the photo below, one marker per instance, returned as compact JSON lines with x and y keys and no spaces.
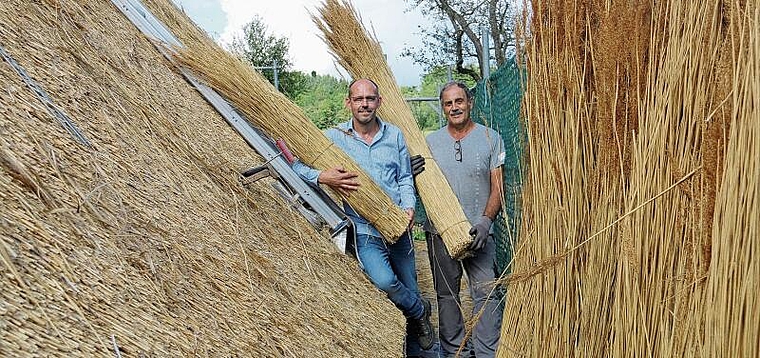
{"x":457,"y":240}
{"x":444,"y":211}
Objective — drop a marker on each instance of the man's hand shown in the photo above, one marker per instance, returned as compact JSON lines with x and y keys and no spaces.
{"x":410,"y":216}
{"x":479,"y":232}
{"x":418,"y":164}
{"x":340,"y":180}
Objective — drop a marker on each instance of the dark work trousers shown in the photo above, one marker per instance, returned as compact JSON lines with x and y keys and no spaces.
{"x":481,"y":273}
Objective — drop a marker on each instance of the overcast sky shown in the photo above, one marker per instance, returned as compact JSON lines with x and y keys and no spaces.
{"x":395,"y":27}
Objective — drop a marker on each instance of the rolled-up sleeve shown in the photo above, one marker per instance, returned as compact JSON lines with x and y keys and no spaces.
{"x":306,"y":172}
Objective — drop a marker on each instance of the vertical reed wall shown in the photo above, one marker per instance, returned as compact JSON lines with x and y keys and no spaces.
{"x":643,"y":177}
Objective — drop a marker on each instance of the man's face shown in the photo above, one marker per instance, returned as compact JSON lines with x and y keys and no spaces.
{"x":456,"y":107}
{"x":363,"y":101}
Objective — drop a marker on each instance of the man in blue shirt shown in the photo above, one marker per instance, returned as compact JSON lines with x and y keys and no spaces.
{"x":380,"y":149}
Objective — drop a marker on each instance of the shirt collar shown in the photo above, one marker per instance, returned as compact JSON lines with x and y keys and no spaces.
{"x":348,"y":127}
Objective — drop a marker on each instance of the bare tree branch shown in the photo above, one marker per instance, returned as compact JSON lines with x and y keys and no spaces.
{"x":456,"y":33}
{"x":464,"y":25}
{"x":460,"y":59}
{"x":496,"y":29}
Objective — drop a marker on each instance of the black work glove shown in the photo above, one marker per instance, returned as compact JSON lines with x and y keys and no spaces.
{"x":418,"y":164}
{"x":479,"y":233}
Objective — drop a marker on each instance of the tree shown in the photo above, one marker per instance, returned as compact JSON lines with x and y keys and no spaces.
{"x":262,"y":49}
{"x":319,"y":96}
{"x":322,"y":100}
{"x":455,"y":36}
{"x":436,"y":77}
{"x":425,"y":112}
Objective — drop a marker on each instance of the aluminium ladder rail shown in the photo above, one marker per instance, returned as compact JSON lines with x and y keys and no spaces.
{"x":150,"y":26}
{"x":54,"y":110}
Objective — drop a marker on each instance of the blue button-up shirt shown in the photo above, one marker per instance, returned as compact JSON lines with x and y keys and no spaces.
{"x":386,"y":160}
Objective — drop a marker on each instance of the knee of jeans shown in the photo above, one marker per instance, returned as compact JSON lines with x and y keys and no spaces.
{"x":481,"y":293}
{"x":487,"y":296}
{"x":386,"y":283}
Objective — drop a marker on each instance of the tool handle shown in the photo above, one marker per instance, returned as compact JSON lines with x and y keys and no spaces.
{"x":280,"y":143}
{"x":253,"y":171}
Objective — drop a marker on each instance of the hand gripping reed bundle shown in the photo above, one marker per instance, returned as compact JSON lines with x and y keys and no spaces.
{"x":362,"y":57}
{"x":269,"y":109}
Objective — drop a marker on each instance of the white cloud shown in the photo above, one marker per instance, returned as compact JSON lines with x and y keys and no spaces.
{"x":290,"y":18}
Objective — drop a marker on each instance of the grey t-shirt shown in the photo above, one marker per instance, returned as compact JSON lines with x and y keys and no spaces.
{"x":467,"y":166}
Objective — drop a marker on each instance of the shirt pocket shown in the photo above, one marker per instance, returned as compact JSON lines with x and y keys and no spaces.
{"x":387,"y":160}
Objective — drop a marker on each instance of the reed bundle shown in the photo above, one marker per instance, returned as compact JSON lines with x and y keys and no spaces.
{"x":252,"y":94}
{"x":626,"y":250}
{"x":362,"y":57}
{"x":731,"y":297}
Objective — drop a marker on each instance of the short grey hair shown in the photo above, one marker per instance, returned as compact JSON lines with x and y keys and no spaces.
{"x":455,"y":84}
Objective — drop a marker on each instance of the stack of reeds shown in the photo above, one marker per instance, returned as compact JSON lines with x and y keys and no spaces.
{"x":362,"y":57}
{"x":269,"y":109}
{"x":731,"y":302}
{"x":637,"y":238}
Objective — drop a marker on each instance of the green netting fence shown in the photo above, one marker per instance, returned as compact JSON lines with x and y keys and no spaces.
{"x":497,"y":105}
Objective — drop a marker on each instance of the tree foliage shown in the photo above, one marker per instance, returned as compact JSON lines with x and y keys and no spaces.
{"x":322,"y":100}
{"x":262,"y":49}
{"x":424,"y":112}
{"x":436,"y":77}
{"x":454,"y":36}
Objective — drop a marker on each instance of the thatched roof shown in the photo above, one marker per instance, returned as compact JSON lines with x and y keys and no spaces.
{"x":146,"y":239}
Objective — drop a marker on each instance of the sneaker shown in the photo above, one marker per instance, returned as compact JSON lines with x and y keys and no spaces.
{"x":423,"y":327}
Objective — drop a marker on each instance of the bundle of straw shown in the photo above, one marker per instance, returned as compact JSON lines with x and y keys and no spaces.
{"x":362,"y":57}
{"x":731,"y":296}
{"x":269,"y":109}
{"x":635,"y":240}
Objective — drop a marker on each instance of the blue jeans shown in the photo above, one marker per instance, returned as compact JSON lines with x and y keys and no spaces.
{"x":391,"y":268}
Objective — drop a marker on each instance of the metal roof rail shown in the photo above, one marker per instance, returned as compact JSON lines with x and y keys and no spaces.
{"x":52,"y":108}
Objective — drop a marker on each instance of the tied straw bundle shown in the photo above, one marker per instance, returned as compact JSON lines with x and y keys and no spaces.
{"x":269,"y":109}
{"x":362,"y":57}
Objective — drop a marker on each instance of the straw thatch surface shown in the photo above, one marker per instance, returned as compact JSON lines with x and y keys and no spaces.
{"x":637,"y":239}
{"x":363,"y":57}
{"x":731,"y":297}
{"x":146,"y":240}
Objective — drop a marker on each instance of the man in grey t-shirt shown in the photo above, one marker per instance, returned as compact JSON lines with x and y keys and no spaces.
{"x":470,"y":156}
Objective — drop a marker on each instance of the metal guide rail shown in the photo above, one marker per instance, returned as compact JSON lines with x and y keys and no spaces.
{"x":52,"y":108}
{"x":288,"y":183}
